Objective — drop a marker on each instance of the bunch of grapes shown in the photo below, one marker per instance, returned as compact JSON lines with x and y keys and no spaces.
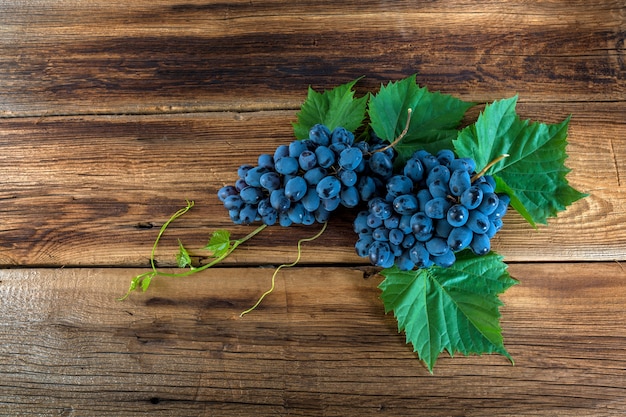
{"x":417,"y":216}
{"x":303,"y":182}
{"x":438,"y":206}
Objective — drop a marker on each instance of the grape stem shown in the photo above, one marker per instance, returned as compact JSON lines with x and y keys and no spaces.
{"x":266,"y":293}
{"x":402,"y":134}
{"x":489,"y":165}
{"x":143,"y":280}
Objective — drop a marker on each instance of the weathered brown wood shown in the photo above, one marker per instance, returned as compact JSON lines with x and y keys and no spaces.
{"x":94,"y":190}
{"x":112,"y":113}
{"x":162,"y":56}
{"x":320,"y":345}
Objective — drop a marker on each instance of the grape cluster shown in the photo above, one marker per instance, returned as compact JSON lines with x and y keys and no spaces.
{"x":435,"y":208}
{"x":303,"y":182}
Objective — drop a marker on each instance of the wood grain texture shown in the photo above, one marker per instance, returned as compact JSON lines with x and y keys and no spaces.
{"x":320,"y":345}
{"x":69,"y":57}
{"x":112,"y":113}
{"x":75,"y":187}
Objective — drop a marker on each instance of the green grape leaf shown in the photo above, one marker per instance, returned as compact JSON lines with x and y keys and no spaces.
{"x":454,"y":309}
{"x":145,"y":282}
{"x":332,"y":108}
{"x":219,"y":243}
{"x":534,"y":171}
{"x":434,"y":120}
{"x":182,"y":257}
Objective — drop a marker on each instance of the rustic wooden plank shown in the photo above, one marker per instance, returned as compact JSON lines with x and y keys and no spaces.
{"x":94,"y":190}
{"x":319,"y":345}
{"x":69,"y":57}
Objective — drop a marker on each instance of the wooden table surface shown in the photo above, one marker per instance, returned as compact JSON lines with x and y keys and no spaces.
{"x":112,"y":113}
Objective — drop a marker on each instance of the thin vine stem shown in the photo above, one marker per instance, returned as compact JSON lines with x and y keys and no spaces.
{"x":489,"y":165}
{"x":268,"y":292}
{"x":217,"y":260}
{"x":176,"y":215}
{"x":143,"y":280}
{"x":402,"y":134}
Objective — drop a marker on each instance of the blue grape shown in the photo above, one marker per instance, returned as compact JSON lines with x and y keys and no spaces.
{"x":443,"y":228}
{"x":445,"y":156}
{"x":233,"y":202}
{"x":405,"y":224}
{"x":279,"y":201}
{"x":440,"y":173}
{"x":347,"y":178}
{"x":437,"y":208}
{"x":284,"y":220}
{"x":322,"y":215}
{"x":308,"y":219}
{"x":421,"y":223}
{"x":399,"y":185}
{"x":414,"y":169}
{"x":446,"y":260}
{"x":265,"y":207}
{"x":374,"y":221}
{"x":379,"y":253}
{"x":381,"y":234}
{"x":459,"y":182}
{"x":281,"y":152}
{"x":226,"y":191}
{"x":342,"y":135}
{"x":266,"y":161}
{"x":360,"y":222}
{"x":457,"y":215}
{"x":270,"y":218}
{"x":296,"y":213}
{"x":248,"y":214}
{"x":428,"y":161}
{"x":295,"y":188}
{"x":392,"y":222}
{"x":438,"y":188}
{"x":251,"y":195}
{"x":350,"y":158}
{"x":240,"y":184}
{"x":472,"y":197}
{"x":331,"y":203}
{"x":459,"y":238}
{"x":362,"y":246}
{"x":349,"y":197}
{"x":381,"y":164}
{"x":367,"y":188}
{"x":325,"y":156}
{"x":404,"y":262}
{"x":405,"y":204}
{"x":500,"y":210}
{"x":381,"y":208}
{"x":480,"y":244}
{"x":307,"y":160}
{"x":478,"y":222}
{"x":311,"y":200}
{"x":466,"y":164}
{"x":437,"y":246}
{"x":243,"y":170}
{"x":287,"y":165}
{"x":423,"y":197}
{"x":253,"y":176}
{"x":315,"y":175}
{"x":420,"y":256}
{"x":270,"y":181}
{"x":408,"y":241}
{"x":320,"y":134}
{"x":396,"y":236}
{"x":489,"y":204}
{"x":296,"y":148}
{"x":328,"y":187}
